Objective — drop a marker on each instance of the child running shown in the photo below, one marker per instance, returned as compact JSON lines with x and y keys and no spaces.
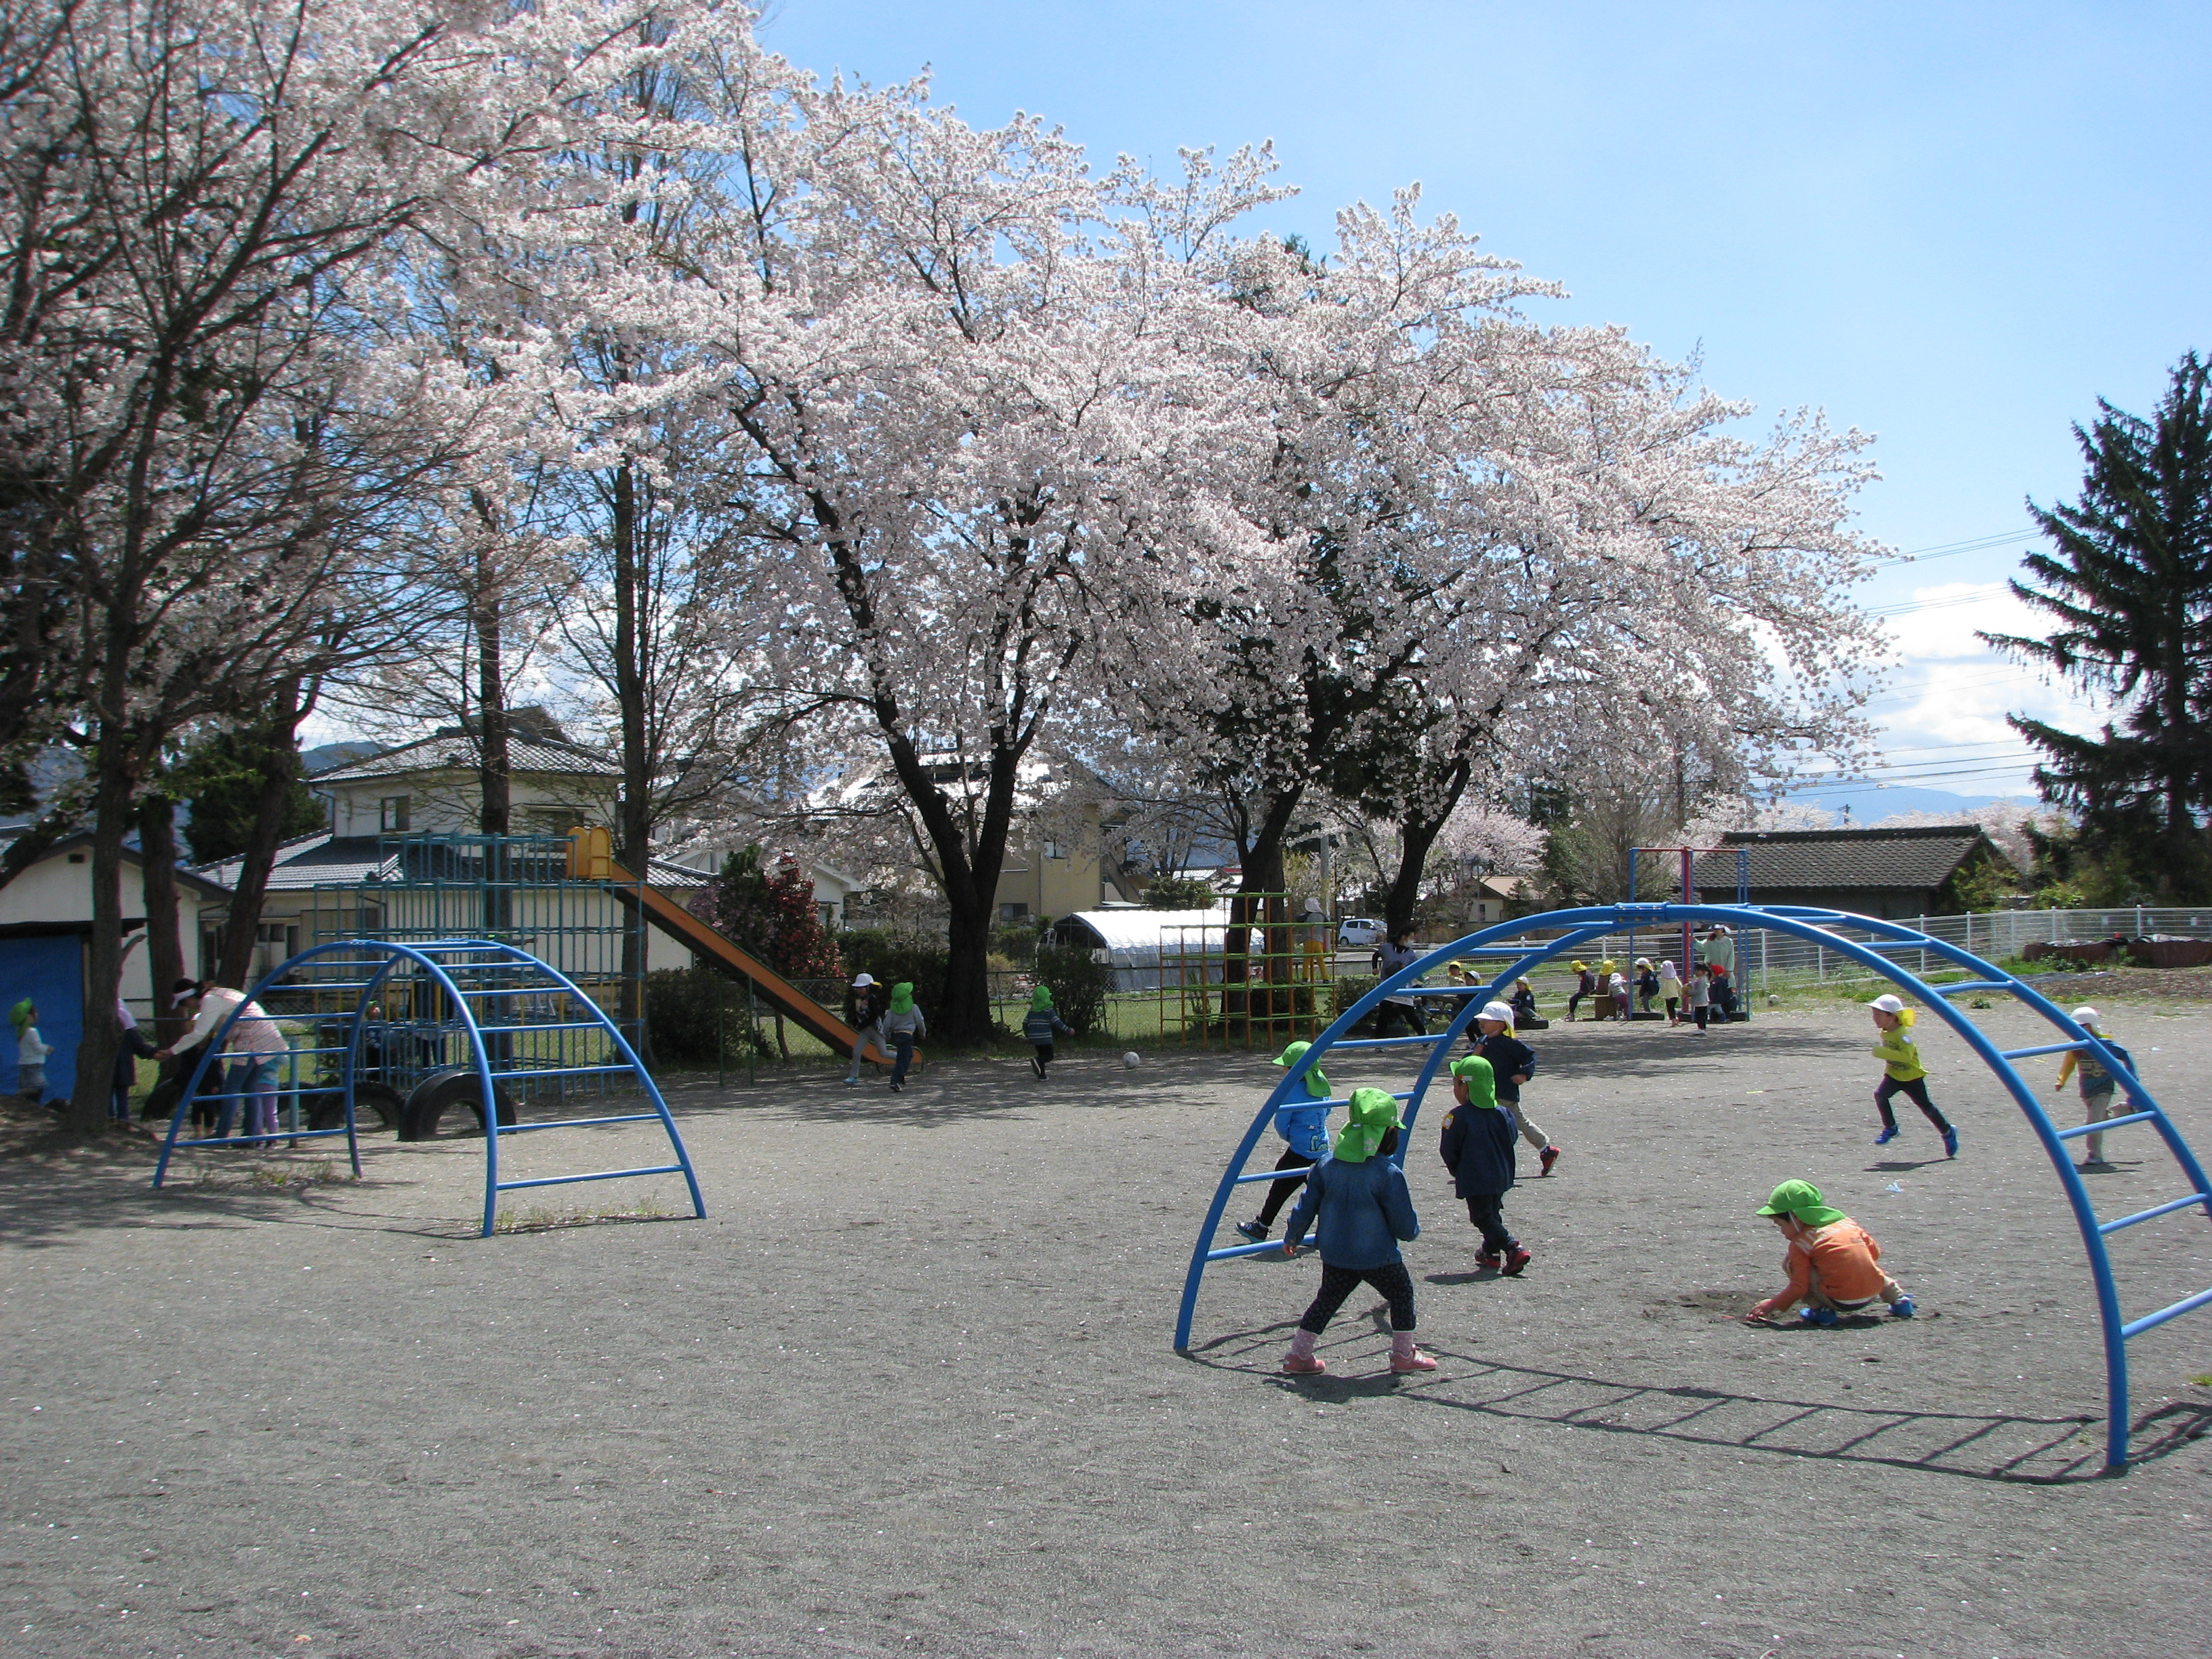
{"x":1835,"y":1266}
{"x":904,"y":1025}
{"x":1513,"y":1063}
{"x":1302,"y":1122}
{"x":1670,"y":990}
{"x":1478,"y":1150}
{"x":1040,"y":1025}
{"x":1903,"y":1074}
{"x":2097,"y":1083}
{"x":1358,"y":1193}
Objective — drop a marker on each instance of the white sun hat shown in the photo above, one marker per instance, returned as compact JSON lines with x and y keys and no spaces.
{"x":1500,"y":1010}
{"x":863,"y":981}
{"x":1888,"y":1004}
{"x":2085,"y":1017}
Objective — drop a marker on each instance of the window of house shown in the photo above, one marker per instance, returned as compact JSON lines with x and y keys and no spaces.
{"x":394,"y":813}
{"x":1052,"y":850}
{"x":1014,"y":913}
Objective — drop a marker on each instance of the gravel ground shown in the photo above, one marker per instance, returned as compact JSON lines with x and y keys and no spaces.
{"x":908,"y":1389}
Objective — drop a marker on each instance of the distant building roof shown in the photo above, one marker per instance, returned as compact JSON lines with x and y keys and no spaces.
{"x":82,"y":839}
{"x":1913,"y":858}
{"x":323,"y":859}
{"x":458,"y":752}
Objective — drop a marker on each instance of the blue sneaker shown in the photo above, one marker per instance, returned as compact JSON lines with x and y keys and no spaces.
{"x":1823,"y":1317}
{"x":1950,"y":1143}
{"x":1885,"y":1136}
{"x":1253,"y":1230}
{"x":1901,"y":1308}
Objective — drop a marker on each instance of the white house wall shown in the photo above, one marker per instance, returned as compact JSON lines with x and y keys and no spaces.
{"x":56,"y":891}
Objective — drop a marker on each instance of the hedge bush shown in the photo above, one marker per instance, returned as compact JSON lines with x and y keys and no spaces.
{"x":893,"y":956}
{"x":679,"y":1014}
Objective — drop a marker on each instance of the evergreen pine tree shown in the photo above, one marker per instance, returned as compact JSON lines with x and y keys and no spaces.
{"x":2130,"y":587}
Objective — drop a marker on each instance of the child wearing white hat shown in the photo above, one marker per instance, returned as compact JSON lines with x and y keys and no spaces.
{"x":2097,"y":1083}
{"x":867,"y":1022}
{"x":1903,"y":1074}
{"x":1513,"y":1063}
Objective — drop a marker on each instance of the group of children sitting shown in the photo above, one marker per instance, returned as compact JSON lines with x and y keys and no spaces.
{"x":1356,"y":1191}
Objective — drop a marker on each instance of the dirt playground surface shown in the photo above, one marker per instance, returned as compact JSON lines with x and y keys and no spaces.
{"x":908,"y":1389}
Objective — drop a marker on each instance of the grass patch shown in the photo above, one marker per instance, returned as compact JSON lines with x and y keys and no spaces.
{"x":544,"y":1218}
{"x":272,"y":1177}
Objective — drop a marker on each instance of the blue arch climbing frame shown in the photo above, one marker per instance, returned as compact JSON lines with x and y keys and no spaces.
{"x":1581,"y":926}
{"x":482,"y":978}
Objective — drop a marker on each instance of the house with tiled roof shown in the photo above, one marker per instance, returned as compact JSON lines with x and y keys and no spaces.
{"x":1916,"y":870}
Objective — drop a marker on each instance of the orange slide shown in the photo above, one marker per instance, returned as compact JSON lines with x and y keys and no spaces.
{"x":591,"y":858}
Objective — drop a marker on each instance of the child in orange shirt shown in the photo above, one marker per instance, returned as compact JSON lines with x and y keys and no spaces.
{"x":1835,"y":1266}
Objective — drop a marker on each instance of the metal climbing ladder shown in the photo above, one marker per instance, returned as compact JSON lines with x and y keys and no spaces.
{"x":1579,"y":927}
{"x":515,"y":1019}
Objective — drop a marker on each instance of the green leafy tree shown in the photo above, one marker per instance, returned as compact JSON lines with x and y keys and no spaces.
{"x":1180,"y":893}
{"x":225,"y":778}
{"x":2130,"y":589}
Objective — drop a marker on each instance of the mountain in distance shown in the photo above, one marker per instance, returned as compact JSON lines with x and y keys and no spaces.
{"x":325,"y":756}
{"x":1870,"y":804}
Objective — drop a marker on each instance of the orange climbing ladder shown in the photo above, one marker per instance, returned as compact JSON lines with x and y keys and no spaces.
{"x":591,"y":858}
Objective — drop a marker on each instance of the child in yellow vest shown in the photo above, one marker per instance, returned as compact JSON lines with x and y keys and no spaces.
{"x":1903,"y":1074}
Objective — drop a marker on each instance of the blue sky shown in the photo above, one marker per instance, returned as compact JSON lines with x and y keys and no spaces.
{"x":1953,"y":227}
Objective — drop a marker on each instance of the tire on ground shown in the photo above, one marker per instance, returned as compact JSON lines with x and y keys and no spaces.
{"x":376,"y":1106}
{"x":450,"y":1102}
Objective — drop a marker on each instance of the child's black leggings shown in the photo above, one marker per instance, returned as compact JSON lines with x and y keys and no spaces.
{"x":1337,"y":1282}
{"x":1487,"y":1211}
{"x":1916,"y":1092}
{"x":1280,"y":1192}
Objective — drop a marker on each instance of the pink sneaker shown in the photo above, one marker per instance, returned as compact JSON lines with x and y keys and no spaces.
{"x":1301,"y":1360}
{"x":1405,"y":1357}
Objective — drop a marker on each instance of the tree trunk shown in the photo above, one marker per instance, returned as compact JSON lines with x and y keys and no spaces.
{"x":495,"y":765}
{"x":111,"y":810}
{"x":634,"y":814}
{"x":1418,"y":830}
{"x":165,"y":943}
{"x":279,"y":762}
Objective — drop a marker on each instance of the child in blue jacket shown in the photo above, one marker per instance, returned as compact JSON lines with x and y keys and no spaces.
{"x":1040,"y":1025}
{"x":1478,"y":1149}
{"x":1359,"y":1194}
{"x":1302,"y":1122}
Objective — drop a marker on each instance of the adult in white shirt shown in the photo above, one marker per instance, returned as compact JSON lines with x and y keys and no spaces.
{"x":253,"y":1047}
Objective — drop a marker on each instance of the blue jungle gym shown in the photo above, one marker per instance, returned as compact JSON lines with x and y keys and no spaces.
{"x":472,"y":1017}
{"x":1577,"y":927}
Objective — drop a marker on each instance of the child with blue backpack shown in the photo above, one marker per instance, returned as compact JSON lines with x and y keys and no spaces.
{"x":1302,"y":1122}
{"x":1478,"y":1149}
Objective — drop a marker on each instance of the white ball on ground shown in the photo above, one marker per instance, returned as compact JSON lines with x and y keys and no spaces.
{"x":1131,"y":1060}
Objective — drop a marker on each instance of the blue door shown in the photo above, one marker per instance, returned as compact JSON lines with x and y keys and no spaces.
{"x":49,"y":969}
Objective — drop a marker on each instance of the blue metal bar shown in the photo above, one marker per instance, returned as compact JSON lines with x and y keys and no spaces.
{"x":596,"y":1174}
{"x":1389,"y":1043}
{"x":2164,"y":1314}
{"x":1297,"y":1173}
{"x":1227,"y":1251}
{"x":2043,"y":1049}
{"x":251,"y":1140}
{"x":1971,"y":985}
{"x":576,"y":1122}
{"x":2108,"y":1123}
{"x":2148,"y":1215}
{"x":558,"y":1071}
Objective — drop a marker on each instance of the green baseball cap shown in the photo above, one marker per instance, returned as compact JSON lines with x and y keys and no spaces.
{"x":1801,"y":1198}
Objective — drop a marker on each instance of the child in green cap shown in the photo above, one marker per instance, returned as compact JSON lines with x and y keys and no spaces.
{"x":1359,"y":1194}
{"x":31,"y":1051}
{"x":904,"y":1025}
{"x":1835,"y":1266}
{"x":1478,"y":1149}
{"x":1302,"y":1119}
{"x":1040,"y":1025}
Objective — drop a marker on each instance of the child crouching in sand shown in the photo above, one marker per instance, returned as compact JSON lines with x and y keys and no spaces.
{"x":1835,"y":1266}
{"x":1366,"y":1213}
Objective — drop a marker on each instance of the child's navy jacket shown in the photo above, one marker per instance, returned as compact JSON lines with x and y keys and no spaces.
{"x":1509,"y":1058}
{"x":1040,"y":1024}
{"x":1478,"y":1149}
{"x":1365,"y":1208}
